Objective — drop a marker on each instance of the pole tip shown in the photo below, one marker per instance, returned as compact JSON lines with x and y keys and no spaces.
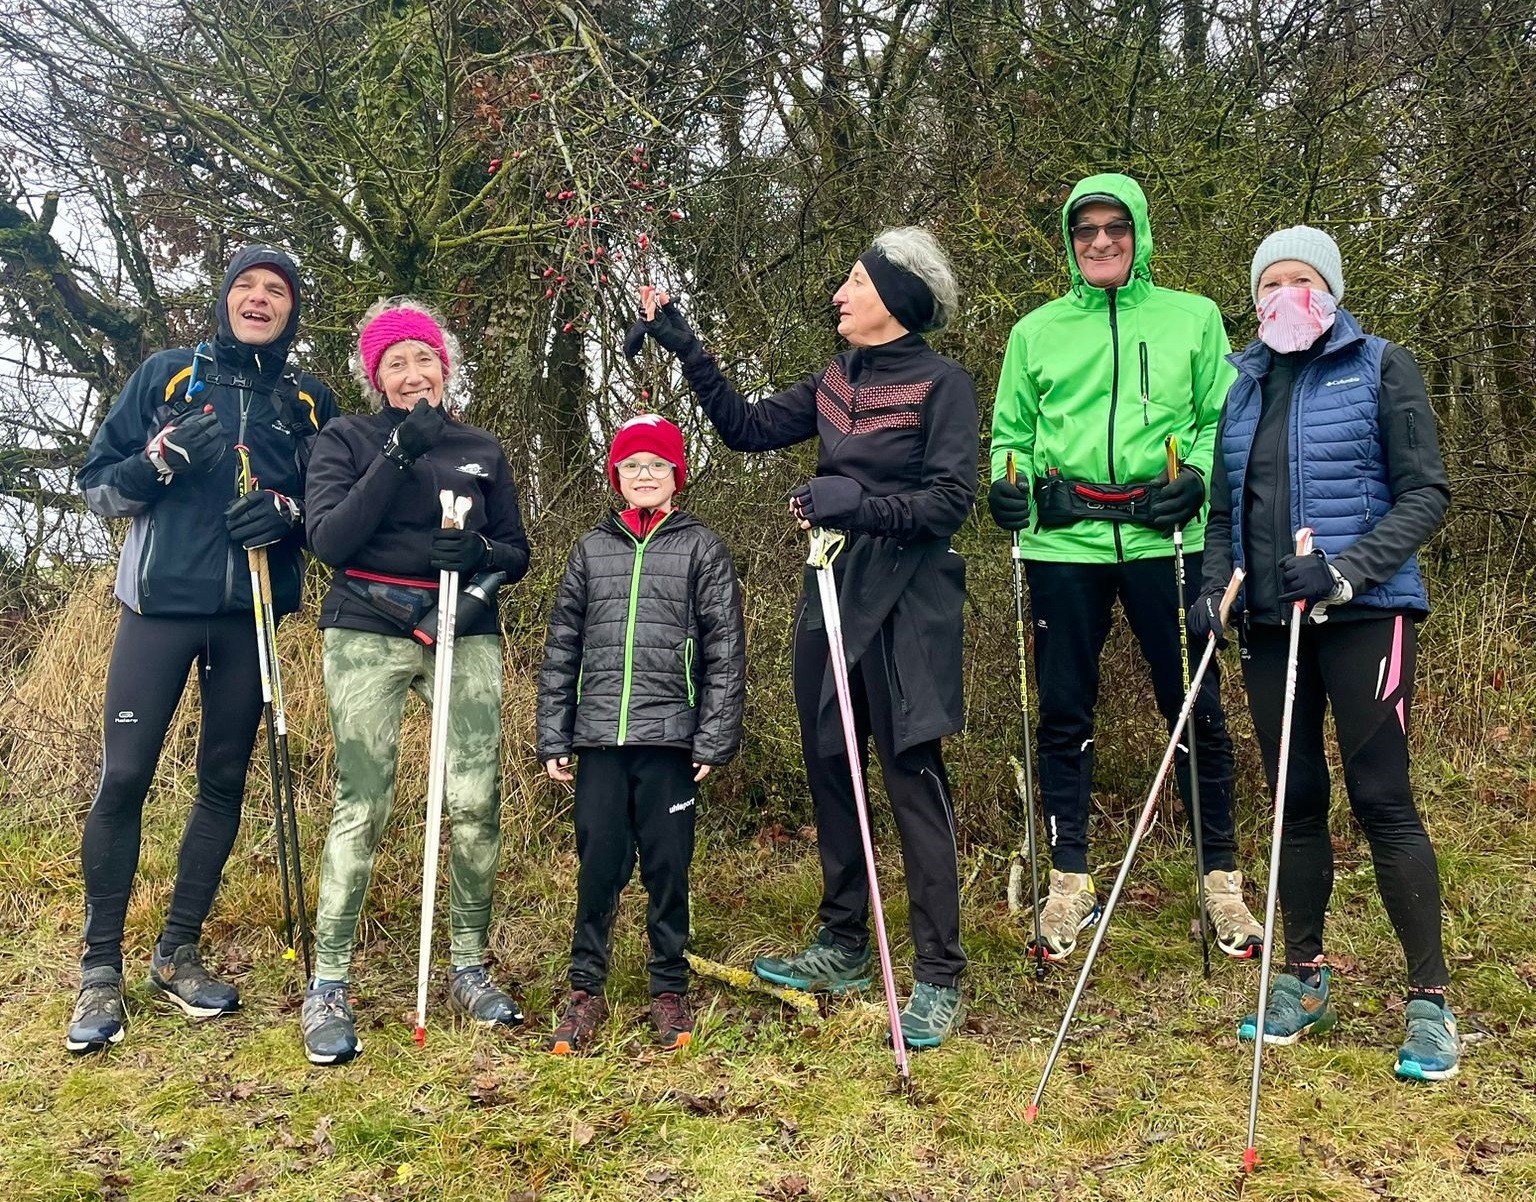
{"x":421,"y":1037}
{"x":1250,"y":1159}
{"x":1030,"y":1111}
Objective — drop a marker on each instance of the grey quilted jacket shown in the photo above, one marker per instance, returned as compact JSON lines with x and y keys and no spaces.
{"x":646,"y":645}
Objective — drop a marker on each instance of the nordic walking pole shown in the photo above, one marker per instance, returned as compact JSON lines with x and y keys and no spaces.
{"x":1196,"y":824}
{"x":1142,"y":823}
{"x":279,"y":772}
{"x":454,"y":511}
{"x":1037,"y":948}
{"x":288,"y":812}
{"x":825,"y":545}
{"x":1251,"y":1152}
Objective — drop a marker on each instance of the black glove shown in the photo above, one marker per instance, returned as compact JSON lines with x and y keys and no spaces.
{"x":1310,"y":578}
{"x":1178,"y":500}
{"x":827,"y":500}
{"x":260,"y":518}
{"x":668,"y":328}
{"x":190,"y":442}
{"x":416,"y":435}
{"x":458,"y":550}
{"x":1009,"y":504}
{"x":1204,"y":618}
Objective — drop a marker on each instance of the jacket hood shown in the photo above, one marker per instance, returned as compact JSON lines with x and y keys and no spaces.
{"x":1128,"y":192}
{"x":275,"y":353}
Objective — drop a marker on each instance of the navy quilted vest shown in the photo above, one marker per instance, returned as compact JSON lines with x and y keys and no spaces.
{"x":1339,"y":483}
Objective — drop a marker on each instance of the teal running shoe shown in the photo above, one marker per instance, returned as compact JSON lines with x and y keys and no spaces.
{"x":1433,"y":1047}
{"x":932,"y":1014}
{"x":1295,"y":1009}
{"x":824,"y":967}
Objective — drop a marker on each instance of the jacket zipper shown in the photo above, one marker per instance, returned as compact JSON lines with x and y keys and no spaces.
{"x":1146,"y":387}
{"x":693,"y":698}
{"x":629,"y":628}
{"x":146,"y":560}
{"x":1114,"y":402}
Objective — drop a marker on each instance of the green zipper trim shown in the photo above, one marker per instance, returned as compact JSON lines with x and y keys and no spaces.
{"x":629,"y":623}
{"x":693,"y":698}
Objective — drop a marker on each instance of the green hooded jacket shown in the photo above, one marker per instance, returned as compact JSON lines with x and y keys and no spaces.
{"x":1094,"y":382}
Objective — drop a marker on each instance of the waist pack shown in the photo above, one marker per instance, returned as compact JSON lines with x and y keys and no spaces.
{"x":411,"y":605}
{"x":1061,"y":502}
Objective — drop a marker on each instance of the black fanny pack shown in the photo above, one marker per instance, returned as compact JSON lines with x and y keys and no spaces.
{"x":1061,"y":502}
{"x":411,"y":605}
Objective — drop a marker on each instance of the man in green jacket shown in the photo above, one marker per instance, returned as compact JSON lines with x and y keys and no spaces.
{"x":1093,"y":385}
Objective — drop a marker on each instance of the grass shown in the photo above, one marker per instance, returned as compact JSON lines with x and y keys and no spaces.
{"x":1149,"y":1100}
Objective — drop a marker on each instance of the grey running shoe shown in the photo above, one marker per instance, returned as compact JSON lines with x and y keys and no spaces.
{"x":932,"y":1014}
{"x":673,"y":1020}
{"x":181,"y":979}
{"x":100,"y":1018}
{"x":478,"y":998}
{"x":330,"y":1031}
{"x":1237,"y":933}
{"x":584,"y":1013}
{"x":1070,"y":910}
{"x":824,"y":967}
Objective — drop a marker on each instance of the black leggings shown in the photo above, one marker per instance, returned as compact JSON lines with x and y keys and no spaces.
{"x":149,"y":667}
{"x":1364,"y":669}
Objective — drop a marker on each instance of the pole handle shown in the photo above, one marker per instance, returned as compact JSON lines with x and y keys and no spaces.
{"x":1171,"y":445}
{"x":1230,"y":596}
{"x":455,"y":509}
{"x":1304,"y":541}
{"x":1013,"y":469}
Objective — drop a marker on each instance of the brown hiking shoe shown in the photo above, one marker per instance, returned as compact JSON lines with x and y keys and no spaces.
{"x":674,"y":1022}
{"x":584,"y":1012}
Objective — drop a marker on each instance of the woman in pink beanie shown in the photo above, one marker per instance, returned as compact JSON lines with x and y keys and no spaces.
{"x":376,"y":519}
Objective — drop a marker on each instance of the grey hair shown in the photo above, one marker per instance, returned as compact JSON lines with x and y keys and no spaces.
{"x":914,"y":249}
{"x":452,"y":389}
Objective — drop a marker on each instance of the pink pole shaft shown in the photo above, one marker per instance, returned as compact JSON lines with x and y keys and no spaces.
{"x":832,"y":617}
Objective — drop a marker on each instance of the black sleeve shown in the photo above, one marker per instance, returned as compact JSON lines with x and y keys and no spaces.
{"x":555,"y":721}
{"x":1217,"y":557}
{"x":118,"y":478}
{"x":723,"y":650}
{"x":1421,"y":491}
{"x":781,"y":420}
{"x":345,"y":503}
{"x":503,"y":528}
{"x":951,"y":444}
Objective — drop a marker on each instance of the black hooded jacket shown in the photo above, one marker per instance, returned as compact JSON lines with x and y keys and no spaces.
{"x":646,"y":645}
{"x":902,"y":422}
{"x":178,"y":558}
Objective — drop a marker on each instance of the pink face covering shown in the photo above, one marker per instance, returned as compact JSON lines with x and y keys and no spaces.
{"x":1293,"y":318}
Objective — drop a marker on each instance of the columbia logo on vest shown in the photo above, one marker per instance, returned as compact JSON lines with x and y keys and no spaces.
{"x":1343,"y":380}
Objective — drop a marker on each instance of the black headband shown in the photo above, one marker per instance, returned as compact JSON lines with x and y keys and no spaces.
{"x":907,"y":298}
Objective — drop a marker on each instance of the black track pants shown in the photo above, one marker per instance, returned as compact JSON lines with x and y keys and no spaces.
{"x":918,"y":788}
{"x":633,"y":801}
{"x":1072,"y":605}
{"x":150,"y":660}
{"x":1364,"y":670}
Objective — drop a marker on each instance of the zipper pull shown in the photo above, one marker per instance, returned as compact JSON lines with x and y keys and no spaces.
{"x":1146,"y":386}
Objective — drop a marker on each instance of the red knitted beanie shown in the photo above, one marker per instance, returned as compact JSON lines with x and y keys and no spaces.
{"x":653,"y":433}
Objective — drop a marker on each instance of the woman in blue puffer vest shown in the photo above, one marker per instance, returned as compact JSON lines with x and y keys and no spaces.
{"x":1330,"y":428}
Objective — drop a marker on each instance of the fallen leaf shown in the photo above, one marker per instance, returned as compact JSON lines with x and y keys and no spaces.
{"x":582,"y":1133}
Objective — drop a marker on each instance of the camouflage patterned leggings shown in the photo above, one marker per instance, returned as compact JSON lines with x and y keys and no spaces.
{"x":366,"y":679}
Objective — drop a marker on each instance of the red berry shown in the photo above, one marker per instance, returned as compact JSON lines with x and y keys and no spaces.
{"x":495,"y":166}
{"x":548,"y":271}
{"x":566,"y":328}
{"x":549,"y":293}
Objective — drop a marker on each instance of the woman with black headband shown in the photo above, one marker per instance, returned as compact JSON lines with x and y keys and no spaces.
{"x":897,"y":469}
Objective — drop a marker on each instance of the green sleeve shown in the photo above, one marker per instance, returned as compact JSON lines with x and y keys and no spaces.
{"x":1016,"y":410}
{"x":1213,"y":376}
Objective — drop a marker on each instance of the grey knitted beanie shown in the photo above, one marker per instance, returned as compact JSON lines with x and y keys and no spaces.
{"x":1306,"y":244}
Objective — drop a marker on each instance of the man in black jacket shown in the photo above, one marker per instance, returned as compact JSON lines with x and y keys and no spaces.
{"x":375,"y":517}
{"x":896,"y":426}
{"x":644,"y":679}
{"x":165,"y":457}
